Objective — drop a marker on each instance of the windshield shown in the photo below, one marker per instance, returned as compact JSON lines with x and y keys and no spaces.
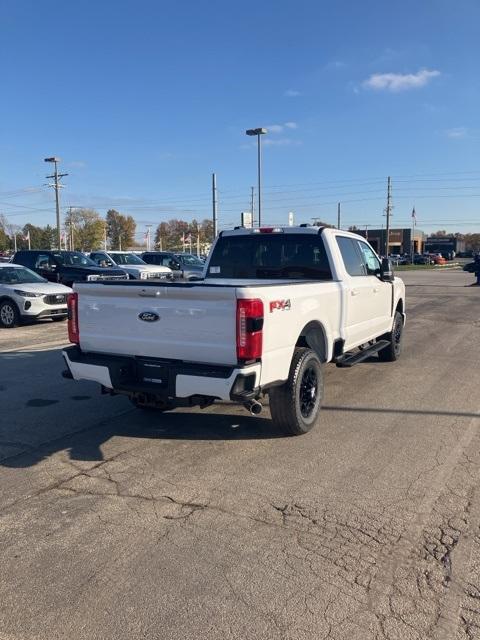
{"x":189,"y":259}
{"x":73,"y":259}
{"x":126,"y":258}
{"x":19,"y":275}
{"x":270,"y":256}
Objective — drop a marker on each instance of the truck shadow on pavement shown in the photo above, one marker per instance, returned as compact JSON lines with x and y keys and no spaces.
{"x":86,"y":445}
{"x":413,"y":412}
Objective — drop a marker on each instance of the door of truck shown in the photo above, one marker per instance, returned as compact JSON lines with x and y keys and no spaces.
{"x":368,"y":299}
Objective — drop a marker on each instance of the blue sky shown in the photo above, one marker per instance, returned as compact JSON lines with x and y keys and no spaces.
{"x":143,"y":100}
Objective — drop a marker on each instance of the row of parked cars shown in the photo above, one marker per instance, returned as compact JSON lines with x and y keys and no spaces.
{"x":418,"y":258}
{"x":35,"y":284}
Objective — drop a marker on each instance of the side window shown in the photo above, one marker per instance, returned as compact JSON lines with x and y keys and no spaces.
{"x":351,"y":256}
{"x":371,"y":261}
{"x":43,"y":261}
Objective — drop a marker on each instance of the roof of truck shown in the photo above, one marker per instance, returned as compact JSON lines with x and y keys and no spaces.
{"x":307,"y":229}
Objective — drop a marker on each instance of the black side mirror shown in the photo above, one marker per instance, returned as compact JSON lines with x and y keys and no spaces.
{"x":386,"y":271}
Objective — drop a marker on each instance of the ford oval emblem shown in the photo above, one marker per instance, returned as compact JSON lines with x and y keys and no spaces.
{"x":149,"y":316}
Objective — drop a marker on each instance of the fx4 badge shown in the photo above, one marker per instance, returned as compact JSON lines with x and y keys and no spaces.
{"x":149,"y":316}
{"x":280,"y":305}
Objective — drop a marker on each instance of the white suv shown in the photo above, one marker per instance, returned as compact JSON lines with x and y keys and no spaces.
{"x":24,"y":294}
{"x":136,"y":268}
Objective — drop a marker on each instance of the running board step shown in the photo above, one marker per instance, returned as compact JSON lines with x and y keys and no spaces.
{"x":350,"y":359}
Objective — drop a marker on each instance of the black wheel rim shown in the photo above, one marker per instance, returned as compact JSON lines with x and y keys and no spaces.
{"x":397,"y":335}
{"x":308,"y":392}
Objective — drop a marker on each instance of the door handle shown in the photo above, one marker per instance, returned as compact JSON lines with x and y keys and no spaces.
{"x":355,"y":292}
{"x":149,"y":294}
{"x":376,"y":289}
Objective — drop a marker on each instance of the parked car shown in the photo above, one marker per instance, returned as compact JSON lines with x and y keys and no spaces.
{"x":184,"y":265}
{"x":26,"y":295}
{"x":136,"y":268}
{"x":395,"y":258}
{"x":437,"y":258}
{"x":418,"y":258}
{"x":66,"y":267}
{"x":274,"y":307}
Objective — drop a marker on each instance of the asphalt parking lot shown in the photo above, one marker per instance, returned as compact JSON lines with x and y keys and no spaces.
{"x":115,"y":524}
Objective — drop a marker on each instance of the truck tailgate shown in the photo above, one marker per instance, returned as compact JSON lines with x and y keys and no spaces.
{"x":181,"y":321}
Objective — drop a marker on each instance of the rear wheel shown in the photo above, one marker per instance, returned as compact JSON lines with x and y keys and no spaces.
{"x":394,"y":349}
{"x":295,"y":406}
{"x":9,"y":314}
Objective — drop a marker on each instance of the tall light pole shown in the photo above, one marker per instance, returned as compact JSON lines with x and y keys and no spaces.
{"x":258,"y":132}
{"x":214,"y":205}
{"x":56,"y":176}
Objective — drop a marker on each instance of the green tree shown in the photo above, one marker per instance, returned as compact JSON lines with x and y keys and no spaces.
{"x":36,"y":236}
{"x":48,"y":238}
{"x":87,"y":227}
{"x":120,"y":230}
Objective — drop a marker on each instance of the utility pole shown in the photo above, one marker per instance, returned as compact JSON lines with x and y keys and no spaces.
{"x":57,"y":186}
{"x":214,"y":205}
{"x":105,"y":236}
{"x":149,"y":226}
{"x":412,"y":247}
{"x":338,"y":215}
{"x":71,"y":227}
{"x":252,"y":205}
{"x":198,"y":239}
{"x":388,"y":213}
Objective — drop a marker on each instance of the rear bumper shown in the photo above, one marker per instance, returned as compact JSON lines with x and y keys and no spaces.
{"x":166,"y":380}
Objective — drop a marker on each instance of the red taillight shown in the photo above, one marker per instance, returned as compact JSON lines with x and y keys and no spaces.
{"x":73,"y":329}
{"x":249,"y":329}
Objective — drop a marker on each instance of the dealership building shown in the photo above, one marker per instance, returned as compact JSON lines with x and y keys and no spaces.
{"x":400,"y":240}
{"x":448,"y":246}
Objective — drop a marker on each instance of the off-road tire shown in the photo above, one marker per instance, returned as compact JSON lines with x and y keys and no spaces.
{"x":394,"y":349}
{"x":295,"y":405}
{"x":9,"y":314}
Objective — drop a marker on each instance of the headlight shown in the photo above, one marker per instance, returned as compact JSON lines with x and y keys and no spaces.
{"x":27,"y":294}
{"x":92,"y":278}
{"x":143,"y":275}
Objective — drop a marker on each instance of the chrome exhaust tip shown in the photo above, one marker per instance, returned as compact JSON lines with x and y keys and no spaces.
{"x":254,"y":407}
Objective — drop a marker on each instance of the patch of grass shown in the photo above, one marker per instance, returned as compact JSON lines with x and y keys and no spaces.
{"x":439,"y":267}
{"x":409,"y":267}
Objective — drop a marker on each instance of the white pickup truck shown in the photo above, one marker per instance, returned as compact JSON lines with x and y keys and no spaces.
{"x":275,"y":305}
